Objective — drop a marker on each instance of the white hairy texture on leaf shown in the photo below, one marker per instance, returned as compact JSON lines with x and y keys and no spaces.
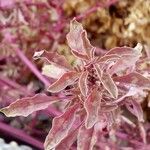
{"x":134,"y":79}
{"x":66,"y":79}
{"x":83,"y":83}
{"x":92,"y":106}
{"x":78,"y":41}
{"x":74,"y":36}
{"x":86,"y":138}
{"x":53,"y":71}
{"x":66,"y":143}
{"x":109,"y":85}
{"x":60,"y":128}
{"x":28,"y":105}
{"x":52,"y":58}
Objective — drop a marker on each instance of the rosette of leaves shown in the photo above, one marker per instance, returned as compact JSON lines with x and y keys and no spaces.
{"x":95,"y":91}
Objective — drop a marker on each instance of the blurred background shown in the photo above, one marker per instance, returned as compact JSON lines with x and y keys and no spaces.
{"x":27,"y":26}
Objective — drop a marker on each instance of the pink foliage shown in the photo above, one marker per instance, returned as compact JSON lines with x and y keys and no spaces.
{"x":99,"y":87}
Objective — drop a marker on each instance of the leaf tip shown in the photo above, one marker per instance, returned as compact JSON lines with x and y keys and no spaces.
{"x":37,"y":54}
{"x":4,"y":111}
{"x":138,"y":47}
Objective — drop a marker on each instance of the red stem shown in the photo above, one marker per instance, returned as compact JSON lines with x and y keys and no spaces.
{"x":32,"y":67}
{"x":20,"y":135}
{"x":15,"y":85}
{"x":95,"y":8}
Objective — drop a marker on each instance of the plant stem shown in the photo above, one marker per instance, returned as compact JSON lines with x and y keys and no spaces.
{"x":32,"y":67}
{"x":20,"y":135}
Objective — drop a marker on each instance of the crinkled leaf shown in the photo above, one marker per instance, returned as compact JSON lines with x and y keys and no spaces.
{"x":78,"y":41}
{"x":83,"y":83}
{"x":131,"y":92}
{"x":123,"y":63}
{"x":109,"y":85}
{"x":28,"y":105}
{"x":134,"y":78}
{"x":53,"y":71}
{"x":52,"y":57}
{"x":74,"y":36}
{"x":92,"y":106}
{"x":60,"y":128}
{"x":128,"y":58}
{"x":120,"y":51}
{"x":66,"y":143}
{"x":66,"y":79}
{"x":86,"y":139}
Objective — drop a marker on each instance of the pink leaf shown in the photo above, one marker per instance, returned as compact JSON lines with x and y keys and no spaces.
{"x":123,"y":63}
{"x":52,"y":57}
{"x":86,"y":44}
{"x":79,"y":55}
{"x":143,"y":132}
{"x":98,"y":71}
{"x":86,"y":139}
{"x":107,"y":82}
{"x":53,"y":71}
{"x":7,"y":4}
{"x":66,"y":143}
{"x":108,"y":108}
{"x":28,"y":105}
{"x":60,"y":128}
{"x":109,"y":85}
{"x":78,"y":41}
{"x":131,"y":55}
{"x":120,"y":51}
{"x":83,"y":83}
{"x":128,"y":121}
{"x":126,"y":50}
{"x":66,"y":79}
{"x":74,"y":36}
{"x":134,"y":79}
{"x":105,"y":58}
{"x":131,"y":92}
{"x":92,"y":106}
{"x":136,"y":110}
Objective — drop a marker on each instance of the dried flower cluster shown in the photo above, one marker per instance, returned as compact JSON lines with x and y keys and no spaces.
{"x":94,"y":92}
{"x":124,"y":23}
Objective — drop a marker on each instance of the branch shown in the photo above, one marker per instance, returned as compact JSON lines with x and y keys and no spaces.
{"x":32,"y":67}
{"x":20,"y":135}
